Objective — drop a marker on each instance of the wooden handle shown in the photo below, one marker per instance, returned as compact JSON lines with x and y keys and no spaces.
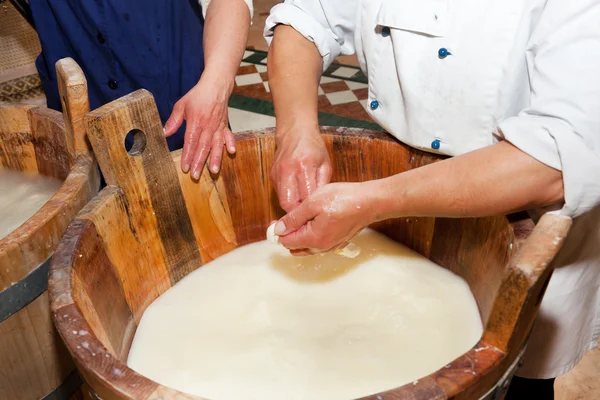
{"x":148,"y":177}
{"x":72,"y":87}
{"x":524,"y":284}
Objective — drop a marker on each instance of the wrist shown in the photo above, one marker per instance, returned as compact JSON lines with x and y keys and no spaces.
{"x":382,"y":203}
{"x":220,"y":83}
{"x":296,"y":130}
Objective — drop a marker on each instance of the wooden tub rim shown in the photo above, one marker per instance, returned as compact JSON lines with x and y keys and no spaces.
{"x":480,"y":362}
{"x":56,"y":203}
{"x":79,"y":175}
{"x":34,"y":276}
{"x":26,"y":251}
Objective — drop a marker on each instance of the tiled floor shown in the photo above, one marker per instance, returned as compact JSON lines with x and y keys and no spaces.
{"x":343,"y":94}
{"x":242,"y":120}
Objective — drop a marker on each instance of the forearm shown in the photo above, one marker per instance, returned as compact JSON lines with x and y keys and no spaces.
{"x":294,"y":66}
{"x":498,"y":179}
{"x":225,"y":36}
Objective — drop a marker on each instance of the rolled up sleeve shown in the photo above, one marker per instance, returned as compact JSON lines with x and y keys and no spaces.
{"x":561,"y":127}
{"x":329,"y":24}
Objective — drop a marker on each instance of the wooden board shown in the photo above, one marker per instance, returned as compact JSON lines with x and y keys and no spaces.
{"x":72,"y":87}
{"x":148,"y":179}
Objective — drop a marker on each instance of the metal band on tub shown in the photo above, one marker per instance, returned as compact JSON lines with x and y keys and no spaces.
{"x":499,"y":390}
{"x":18,"y":296}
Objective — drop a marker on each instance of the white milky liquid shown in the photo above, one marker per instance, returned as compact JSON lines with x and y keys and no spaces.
{"x":22,"y":194}
{"x":258,"y":323}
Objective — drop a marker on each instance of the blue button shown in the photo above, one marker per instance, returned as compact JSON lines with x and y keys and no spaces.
{"x":443,"y":52}
{"x":374,"y":105}
{"x":385,"y":32}
{"x":435,"y":144}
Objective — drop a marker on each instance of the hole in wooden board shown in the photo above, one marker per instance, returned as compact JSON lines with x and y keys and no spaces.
{"x":135,"y":142}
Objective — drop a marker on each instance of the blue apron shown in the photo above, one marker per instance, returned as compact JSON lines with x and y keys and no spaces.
{"x":122,"y":46}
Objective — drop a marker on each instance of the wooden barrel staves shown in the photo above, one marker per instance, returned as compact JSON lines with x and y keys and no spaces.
{"x":153,"y":225}
{"x":34,"y":363}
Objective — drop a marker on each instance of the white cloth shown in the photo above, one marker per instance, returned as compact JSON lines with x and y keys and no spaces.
{"x":522,"y":71}
{"x":205,"y":3}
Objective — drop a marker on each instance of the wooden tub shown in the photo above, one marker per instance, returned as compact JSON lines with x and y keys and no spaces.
{"x":33,"y":360}
{"x":153,"y":225}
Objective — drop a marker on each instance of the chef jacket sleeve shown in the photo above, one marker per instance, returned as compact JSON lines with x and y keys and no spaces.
{"x":329,"y":24}
{"x":561,"y":126}
{"x":205,"y":3}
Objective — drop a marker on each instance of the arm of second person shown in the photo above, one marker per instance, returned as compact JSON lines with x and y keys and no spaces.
{"x":302,"y":163}
{"x":494,"y":180}
{"x":204,"y":107}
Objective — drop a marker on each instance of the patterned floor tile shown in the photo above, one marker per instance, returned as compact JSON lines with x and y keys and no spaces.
{"x":247,"y":69}
{"x":332,"y":87}
{"x":343,"y":89}
{"x":341,"y":97}
{"x":362,"y":94}
{"x":356,"y":85}
{"x":344,"y":72}
{"x":327,"y":79}
{"x":242,"y":120}
{"x":365,"y":104}
{"x":249,"y":79}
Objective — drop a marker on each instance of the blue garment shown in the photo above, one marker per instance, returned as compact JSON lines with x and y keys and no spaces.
{"x":122,"y":46}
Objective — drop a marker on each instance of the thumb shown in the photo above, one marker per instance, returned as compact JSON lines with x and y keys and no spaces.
{"x":295,"y":219}
{"x":175,"y":120}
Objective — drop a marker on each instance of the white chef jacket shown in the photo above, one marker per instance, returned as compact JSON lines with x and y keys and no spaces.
{"x":452,"y":76}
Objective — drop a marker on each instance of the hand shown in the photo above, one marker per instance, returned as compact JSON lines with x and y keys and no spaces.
{"x":328,"y":219}
{"x":301,"y":166}
{"x":204,"y":108}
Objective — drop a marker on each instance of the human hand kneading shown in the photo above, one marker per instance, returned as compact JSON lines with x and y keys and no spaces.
{"x":325,"y":221}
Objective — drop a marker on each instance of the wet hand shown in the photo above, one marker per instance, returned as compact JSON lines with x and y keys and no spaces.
{"x":204,"y":109}
{"x":328,"y":219}
{"x":302,"y":165}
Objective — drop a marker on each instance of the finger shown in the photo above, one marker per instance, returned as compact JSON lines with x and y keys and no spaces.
{"x":306,"y":182}
{"x":192,"y":136}
{"x":302,"y":239}
{"x":287,"y":192}
{"x":175,"y":120}
{"x":324,"y":175}
{"x":216,"y":152}
{"x":229,"y":141}
{"x":202,"y":152}
{"x":301,"y":252}
{"x":295,"y":220}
